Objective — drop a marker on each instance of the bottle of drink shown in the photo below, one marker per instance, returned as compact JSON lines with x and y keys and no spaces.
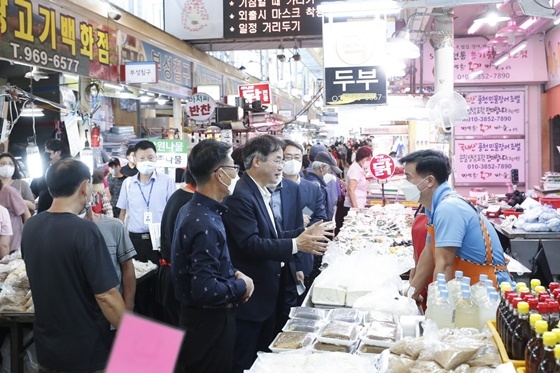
{"x":454,"y":285}
{"x":500,"y":314}
{"x":543,"y":309}
{"x":487,"y":310}
{"x":540,"y":289}
{"x":533,"y":354}
{"x":533,"y":303}
{"x":507,"y":314}
{"x":553,"y":286}
{"x":440,"y":278}
{"x":510,"y":324}
{"x":442,"y":311}
{"x":548,"y":361}
{"x":433,"y":295}
{"x":553,"y":315}
{"x":557,"y":357}
{"x":533,"y":318}
{"x":466,"y":312}
{"x":479,"y":289}
{"x":556,"y":293}
{"x":534,"y":283}
{"x":521,"y":332}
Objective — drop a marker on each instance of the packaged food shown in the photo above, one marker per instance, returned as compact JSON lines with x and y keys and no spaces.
{"x":339,"y":333}
{"x":327,"y":347}
{"x":381,"y":334}
{"x":291,"y":341}
{"x":371,"y":316}
{"x":309,"y":313}
{"x":303,"y":325}
{"x":345,"y":314}
{"x":399,"y":364}
{"x":367,"y":349}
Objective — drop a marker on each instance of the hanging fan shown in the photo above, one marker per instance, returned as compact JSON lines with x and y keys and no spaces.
{"x":447,"y":108}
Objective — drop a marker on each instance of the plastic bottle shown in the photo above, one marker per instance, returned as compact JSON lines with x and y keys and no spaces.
{"x":533,"y":353}
{"x":442,"y":312}
{"x":487,"y":310}
{"x":440,"y":278}
{"x":553,"y":286}
{"x":554,"y":314}
{"x":543,"y":309}
{"x":454,"y":285}
{"x":548,"y":360}
{"x":479,"y":289}
{"x":466,"y":312}
{"x":507,"y":315}
{"x":510,"y":323}
{"x":500,"y":313}
{"x":557,"y":357}
{"x":433,"y":297}
{"x":521,"y":332}
{"x":540,"y":289}
{"x":534,"y":283}
{"x":533,"y":303}
{"x":533,"y":318}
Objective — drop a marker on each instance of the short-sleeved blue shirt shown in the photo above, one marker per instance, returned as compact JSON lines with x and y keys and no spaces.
{"x":457,"y":224}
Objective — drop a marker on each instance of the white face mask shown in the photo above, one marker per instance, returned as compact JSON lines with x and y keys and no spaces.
{"x":411,"y":191}
{"x":328,"y":178}
{"x":146,"y":167}
{"x":232,"y":182}
{"x":113,"y":172}
{"x":7,"y":171}
{"x":292,"y":167}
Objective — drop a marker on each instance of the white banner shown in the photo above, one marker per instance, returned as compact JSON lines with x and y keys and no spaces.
{"x":194,"y":19}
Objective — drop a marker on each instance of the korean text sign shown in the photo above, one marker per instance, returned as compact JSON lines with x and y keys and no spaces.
{"x":355,"y":85}
{"x":200,"y":107}
{"x":488,"y":161}
{"x":382,"y":166}
{"x":171,"y":153}
{"x":41,"y":33}
{"x":260,"y":92}
{"x":494,"y":113}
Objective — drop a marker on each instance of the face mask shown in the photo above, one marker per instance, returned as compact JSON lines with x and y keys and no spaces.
{"x":146,"y":167}
{"x":292,"y":167}
{"x":411,"y":191}
{"x":328,"y":178}
{"x":7,"y":171}
{"x":113,"y":172}
{"x":232,"y":182}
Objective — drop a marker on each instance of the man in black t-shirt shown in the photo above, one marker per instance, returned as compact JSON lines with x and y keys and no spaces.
{"x":130,"y":168}
{"x":71,"y":276}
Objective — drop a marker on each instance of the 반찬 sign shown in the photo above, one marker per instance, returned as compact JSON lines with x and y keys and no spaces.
{"x":493,"y":113}
{"x":488,"y":161}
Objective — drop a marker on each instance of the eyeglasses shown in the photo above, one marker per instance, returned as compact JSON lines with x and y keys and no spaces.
{"x":290,"y":157}
{"x":279,"y":162}
{"x":235,"y":167}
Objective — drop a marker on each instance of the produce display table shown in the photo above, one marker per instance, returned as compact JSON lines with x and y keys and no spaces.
{"x":524,"y":245}
{"x":16,"y":322}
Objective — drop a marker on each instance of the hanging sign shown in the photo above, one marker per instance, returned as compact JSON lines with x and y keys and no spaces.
{"x":484,"y":161}
{"x":382,"y":166}
{"x":171,"y":153}
{"x":493,"y":113}
{"x":139,"y":72}
{"x":259,"y":92}
{"x":355,"y":85}
{"x":41,"y":33}
{"x":200,"y":107}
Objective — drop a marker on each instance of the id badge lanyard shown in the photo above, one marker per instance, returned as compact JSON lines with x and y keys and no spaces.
{"x":147,"y":213}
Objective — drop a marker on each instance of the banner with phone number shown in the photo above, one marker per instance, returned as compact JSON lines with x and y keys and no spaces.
{"x":40,"y":33}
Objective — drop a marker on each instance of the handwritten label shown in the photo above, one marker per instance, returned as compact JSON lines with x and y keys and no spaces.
{"x":488,"y":161}
{"x":494,"y":113}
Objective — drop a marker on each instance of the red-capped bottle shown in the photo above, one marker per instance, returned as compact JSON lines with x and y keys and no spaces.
{"x":507,"y":314}
{"x":533,"y":341}
{"x":502,"y":309}
{"x":543,"y":297}
{"x":553,"y":286}
{"x":535,"y":347}
{"x":553,"y":314}
{"x":543,"y":309}
{"x":533,"y":305}
{"x":511,"y":325}
{"x":556,"y":293}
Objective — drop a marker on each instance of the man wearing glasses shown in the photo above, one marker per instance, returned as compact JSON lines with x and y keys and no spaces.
{"x":260,"y":248}
{"x":142,"y":200}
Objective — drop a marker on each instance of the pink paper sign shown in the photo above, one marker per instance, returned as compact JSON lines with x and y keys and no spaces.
{"x":144,"y":346}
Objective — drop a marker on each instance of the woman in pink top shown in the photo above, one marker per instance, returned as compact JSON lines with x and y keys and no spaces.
{"x":356,"y":179}
{"x":19,"y":213}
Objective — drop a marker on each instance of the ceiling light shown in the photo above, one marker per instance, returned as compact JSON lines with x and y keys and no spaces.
{"x":126,"y":93}
{"x":36,"y":74}
{"x":511,"y":31}
{"x":475,"y":27}
{"x":161,"y":100}
{"x":401,"y":46}
{"x":70,"y":76}
{"x":528,"y":23}
{"x":30,"y":110}
{"x":492,"y":16}
{"x":498,"y":40}
{"x":518,"y":48}
{"x":501,"y":60}
{"x":145,"y":97}
{"x":113,"y":86}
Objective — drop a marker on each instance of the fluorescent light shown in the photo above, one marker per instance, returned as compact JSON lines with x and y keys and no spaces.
{"x":501,"y":60}
{"x":518,"y":48}
{"x":475,"y":27}
{"x":528,"y":23}
{"x":34,"y":162}
{"x":145,"y":97}
{"x":86,"y":156}
{"x":112,"y":86}
{"x":30,"y":110}
{"x":126,"y":93}
{"x":70,"y":76}
{"x":556,"y":21}
{"x":161,"y":100}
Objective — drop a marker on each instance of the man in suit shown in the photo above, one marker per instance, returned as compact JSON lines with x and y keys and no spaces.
{"x":258,"y":246}
{"x":312,"y":206}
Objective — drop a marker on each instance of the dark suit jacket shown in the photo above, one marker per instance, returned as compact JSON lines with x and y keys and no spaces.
{"x":255,"y":249}
{"x":311,"y":197}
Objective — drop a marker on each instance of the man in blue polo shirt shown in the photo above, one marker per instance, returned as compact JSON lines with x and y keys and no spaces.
{"x":142,"y":200}
{"x":464,"y":239}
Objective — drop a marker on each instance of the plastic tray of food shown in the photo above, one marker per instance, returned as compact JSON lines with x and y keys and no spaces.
{"x":303,"y":325}
{"x":350,"y":315}
{"x":370,"y":316}
{"x":381,"y":334}
{"x":320,"y":347}
{"x":308,"y":313}
{"x":289,"y":341}
{"x":364,"y":349}
{"x":339,"y":333}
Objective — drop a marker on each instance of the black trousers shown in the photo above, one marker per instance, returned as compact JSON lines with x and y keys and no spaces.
{"x":145,"y":300}
{"x":209,"y":340}
{"x":166,"y":297}
{"x":252,"y":336}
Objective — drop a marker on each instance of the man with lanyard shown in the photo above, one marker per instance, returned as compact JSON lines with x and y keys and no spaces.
{"x":464,"y":239}
{"x":142,"y":200}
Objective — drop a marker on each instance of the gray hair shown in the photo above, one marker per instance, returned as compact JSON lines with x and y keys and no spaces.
{"x":317,"y":165}
{"x":248,"y":162}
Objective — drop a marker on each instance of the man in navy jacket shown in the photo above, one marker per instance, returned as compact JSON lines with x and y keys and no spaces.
{"x":258,"y":246}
